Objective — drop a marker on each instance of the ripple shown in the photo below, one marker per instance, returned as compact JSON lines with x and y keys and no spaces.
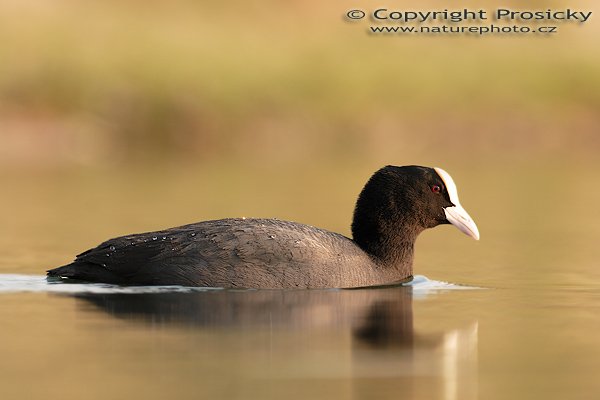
{"x":420,"y":282}
{"x":12,"y":283}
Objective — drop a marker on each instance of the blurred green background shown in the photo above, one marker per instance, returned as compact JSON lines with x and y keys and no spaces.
{"x":119,"y":82}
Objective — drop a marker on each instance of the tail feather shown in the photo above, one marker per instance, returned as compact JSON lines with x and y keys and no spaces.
{"x":85,"y":272}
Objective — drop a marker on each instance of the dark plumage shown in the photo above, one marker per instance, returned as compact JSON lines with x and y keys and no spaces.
{"x":396,"y":204}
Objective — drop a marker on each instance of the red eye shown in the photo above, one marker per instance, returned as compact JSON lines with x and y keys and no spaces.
{"x":436,"y":189}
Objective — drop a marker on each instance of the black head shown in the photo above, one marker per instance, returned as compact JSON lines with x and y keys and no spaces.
{"x":398,"y":203}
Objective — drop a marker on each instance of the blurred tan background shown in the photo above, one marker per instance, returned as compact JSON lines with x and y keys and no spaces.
{"x":118,"y":82}
{"x":121,"y":116}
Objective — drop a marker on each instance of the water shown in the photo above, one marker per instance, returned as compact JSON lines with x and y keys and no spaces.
{"x":13,"y":283}
{"x":246,"y":343}
{"x":520,"y":318}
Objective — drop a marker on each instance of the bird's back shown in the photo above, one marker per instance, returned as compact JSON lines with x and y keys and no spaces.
{"x":245,"y":253}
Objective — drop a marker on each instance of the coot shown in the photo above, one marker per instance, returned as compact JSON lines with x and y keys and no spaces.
{"x":396,"y":204}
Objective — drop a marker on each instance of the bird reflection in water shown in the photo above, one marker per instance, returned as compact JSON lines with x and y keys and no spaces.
{"x":367,"y":336}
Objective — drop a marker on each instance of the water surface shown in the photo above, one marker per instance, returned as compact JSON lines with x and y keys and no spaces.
{"x":529,"y":331}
